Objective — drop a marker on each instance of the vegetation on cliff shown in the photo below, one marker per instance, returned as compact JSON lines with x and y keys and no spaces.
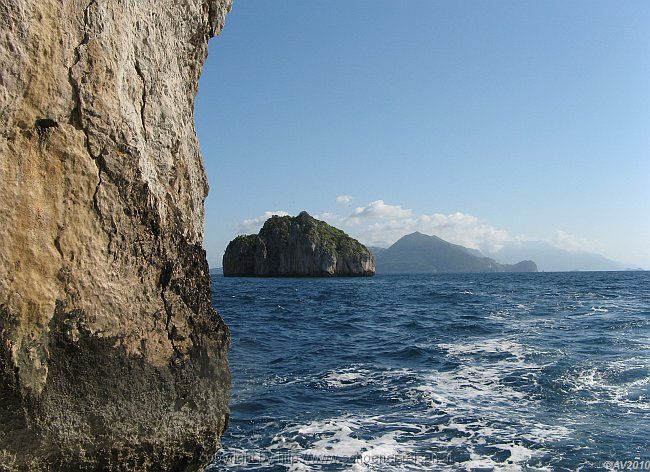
{"x":317,"y":231}
{"x":297,"y":246}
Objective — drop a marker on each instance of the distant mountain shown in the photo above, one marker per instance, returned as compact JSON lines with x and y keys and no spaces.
{"x":418,"y":253}
{"x":552,"y":259}
{"x":216,"y":271}
{"x":473,"y":252}
{"x":376,"y":250}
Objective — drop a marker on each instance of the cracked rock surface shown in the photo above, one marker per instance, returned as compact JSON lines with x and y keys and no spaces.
{"x":111,"y":357}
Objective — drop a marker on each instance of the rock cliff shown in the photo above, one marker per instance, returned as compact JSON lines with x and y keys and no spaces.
{"x":111,"y":357}
{"x":297,"y":246}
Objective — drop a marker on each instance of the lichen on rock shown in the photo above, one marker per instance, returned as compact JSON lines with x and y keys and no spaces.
{"x":111,"y":355}
{"x":297,"y":246}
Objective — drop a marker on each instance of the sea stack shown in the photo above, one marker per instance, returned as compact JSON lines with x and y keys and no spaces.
{"x":299,"y":246}
{"x":111,"y":356}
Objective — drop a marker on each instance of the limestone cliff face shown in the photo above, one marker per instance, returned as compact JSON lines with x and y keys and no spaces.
{"x":297,"y":246}
{"x":111,"y":356}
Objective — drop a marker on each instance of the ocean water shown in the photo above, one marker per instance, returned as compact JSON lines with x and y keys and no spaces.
{"x":546,"y":371}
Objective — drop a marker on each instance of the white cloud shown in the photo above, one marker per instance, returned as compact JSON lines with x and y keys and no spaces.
{"x":570,"y":242}
{"x":381,"y":224}
{"x":344,"y":199}
{"x":458,"y":228}
{"x":253,"y":225}
{"x":378,"y":210}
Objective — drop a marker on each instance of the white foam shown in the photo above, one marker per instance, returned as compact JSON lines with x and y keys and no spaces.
{"x":599,"y":388}
{"x":599,"y":309}
{"x":486,"y":346}
{"x":517,"y":461}
{"x":474,"y":407}
{"x":347,"y":377}
{"x":345,"y":439}
{"x":478,"y":407}
{"x":483,"y":410}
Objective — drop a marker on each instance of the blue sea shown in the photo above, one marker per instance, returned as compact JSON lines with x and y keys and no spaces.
{"x":545,"y":371}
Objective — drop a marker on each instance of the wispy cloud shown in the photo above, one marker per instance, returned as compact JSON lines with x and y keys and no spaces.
{"x":344,"y":199}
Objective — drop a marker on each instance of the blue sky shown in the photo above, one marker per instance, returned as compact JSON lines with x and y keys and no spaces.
{"x":483,"y":122}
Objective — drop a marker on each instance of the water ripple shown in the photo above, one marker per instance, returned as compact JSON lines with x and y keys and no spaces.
{"x":457,"y":372}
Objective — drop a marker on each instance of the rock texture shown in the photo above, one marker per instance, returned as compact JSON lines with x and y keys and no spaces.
{"x":298,"y":246}
{"x":111,"y":357}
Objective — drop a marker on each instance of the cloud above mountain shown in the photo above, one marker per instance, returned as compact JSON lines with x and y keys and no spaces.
{"x":570,"y":242}
{"x":379,"y":223}
{"x":459,"y":228}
